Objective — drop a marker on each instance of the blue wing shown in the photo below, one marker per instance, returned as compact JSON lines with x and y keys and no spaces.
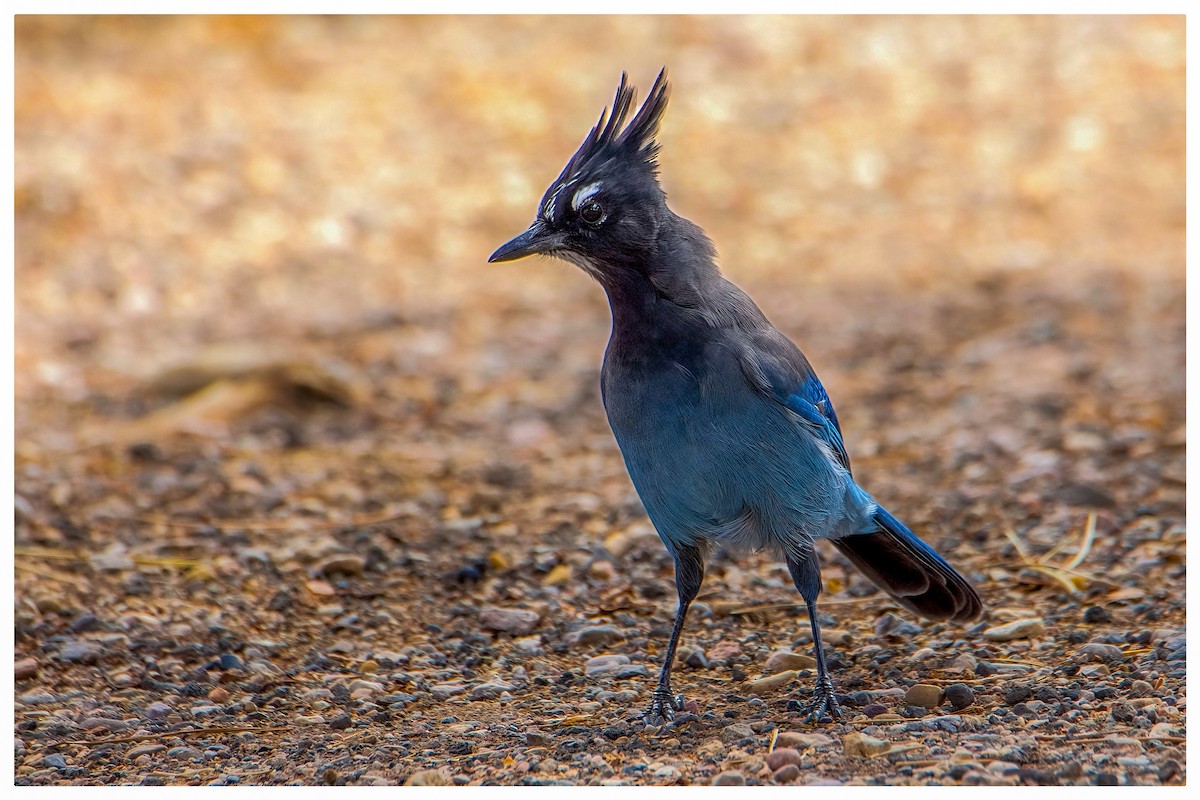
{"x":811,"y":402}
{"x":781,"y":371}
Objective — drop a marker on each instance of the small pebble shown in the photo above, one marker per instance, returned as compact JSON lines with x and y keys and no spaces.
{"x":802,"y":741}
{"x":602,"y":570}
{"x":517,"y":621}
{"x":1017,"y":694}
{"x":157,"y":710}
{"x":894,"y":627}
{"x":694,"y":658}
{"x":736,"y":732}
{"x":340,"y":564}
{"x":787,"y":774}
{"x":430,"y":777}
{"x":144,"y":750}
{"x":604,"y":665}
{"x":859,"y":745}
{"x":729,"y":778}
{"x":724,"y":650}
{"x":25,"y":668}
{"x":1168,"y":770}
{"x":444,"y":690}
{"x":1095,"y":615}
{"x":960,"y":696}
{"x":1017,"y":629}
{"x":782,"y":660}
{"x":185,"y":753}
{"x":489,"y":691}
{"x":1098,"y":651}
{"x":341,"y":722}
{"x":924,"y":695}
{"x":80,"y":651}
{"x":599,"y":635}
{"x":781,"y":757}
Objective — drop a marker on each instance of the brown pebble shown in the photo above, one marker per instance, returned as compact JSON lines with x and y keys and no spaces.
{"x":924,"y":695}
{"x":802,"y":741}
{"x":25,"y":668}
{"x":784,"y":659}
{"x":724,"y":650}
{"x":1017,"y":629}
{"x":430,"y":777}
{"x":859,"y":745}
{"x":602,"y":570}
{"x":340,"y":564}
{"x":144,"y":750}
{"x":517,"y":621}
{"x":218,"y":695}
{"x":729,"y":778}
{"x":787,"y":774}
{"x":781,"y":757}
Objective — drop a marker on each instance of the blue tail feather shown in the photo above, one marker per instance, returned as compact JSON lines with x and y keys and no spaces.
{"x":912,"y":572}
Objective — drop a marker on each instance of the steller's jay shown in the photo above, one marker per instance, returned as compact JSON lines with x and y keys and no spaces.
{"x":729,"y":437}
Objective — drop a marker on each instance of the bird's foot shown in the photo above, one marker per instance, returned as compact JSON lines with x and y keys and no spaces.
{"x":663,"y":706}
{"x":822,"y":708}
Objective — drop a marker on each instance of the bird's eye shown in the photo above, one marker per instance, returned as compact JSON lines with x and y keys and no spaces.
{"x":592,"y":213}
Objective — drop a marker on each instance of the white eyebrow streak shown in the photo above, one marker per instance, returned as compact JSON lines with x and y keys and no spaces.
{"x":548,"y":211}
{"x":585,"y":194}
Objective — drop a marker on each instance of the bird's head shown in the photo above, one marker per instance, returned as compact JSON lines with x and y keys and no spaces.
{"x":604,"y":211}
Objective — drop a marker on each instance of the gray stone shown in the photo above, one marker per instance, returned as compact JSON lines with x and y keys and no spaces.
{"x":517,"y":621}
{"x":736,"y":732}
{"x":489,"y":691}
{"x":598,"y":635}
{"x":185,"y":753}
{"x":1098,"y":651}
{"x":1017,"y":629}
{"x":80,"y":651}
{"x":604,"y":665}
{"x":729,"y":778}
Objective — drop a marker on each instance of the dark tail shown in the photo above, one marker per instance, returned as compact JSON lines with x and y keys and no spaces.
{"x":911,"y":571}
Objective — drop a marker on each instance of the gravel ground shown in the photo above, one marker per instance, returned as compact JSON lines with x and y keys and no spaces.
{"x":306,"y":494}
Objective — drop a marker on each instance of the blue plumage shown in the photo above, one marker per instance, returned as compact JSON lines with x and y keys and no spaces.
{"x":728,"y":435}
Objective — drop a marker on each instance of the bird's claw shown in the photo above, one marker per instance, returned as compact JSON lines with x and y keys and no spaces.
{"x":823,"y":706}
{"x":663,"y":707}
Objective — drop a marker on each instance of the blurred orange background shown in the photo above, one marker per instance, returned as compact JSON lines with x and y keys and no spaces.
{"x":182,"y":180}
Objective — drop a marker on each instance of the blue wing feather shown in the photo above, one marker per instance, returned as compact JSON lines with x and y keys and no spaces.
{"x":820,"y":416}
{"x":780,"y":370}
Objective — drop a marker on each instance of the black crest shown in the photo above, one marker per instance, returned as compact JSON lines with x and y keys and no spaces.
{"x":612,"y":138}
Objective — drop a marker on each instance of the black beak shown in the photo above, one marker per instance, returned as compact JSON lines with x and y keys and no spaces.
{"x":538,"y":239}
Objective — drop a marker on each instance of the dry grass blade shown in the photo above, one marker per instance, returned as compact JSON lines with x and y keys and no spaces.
{"x":82,"y":585}
{"x":1016,"y":543}
{"x":1089,"y":538}
{"x":1065,"y":574}
{"x":48,"y":553}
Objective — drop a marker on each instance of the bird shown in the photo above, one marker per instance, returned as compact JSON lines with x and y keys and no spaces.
{"x":728,"y":436}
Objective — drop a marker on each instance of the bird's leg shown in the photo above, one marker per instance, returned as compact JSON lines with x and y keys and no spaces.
{"x":806,"y":574}
{"x":689,"y":573}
